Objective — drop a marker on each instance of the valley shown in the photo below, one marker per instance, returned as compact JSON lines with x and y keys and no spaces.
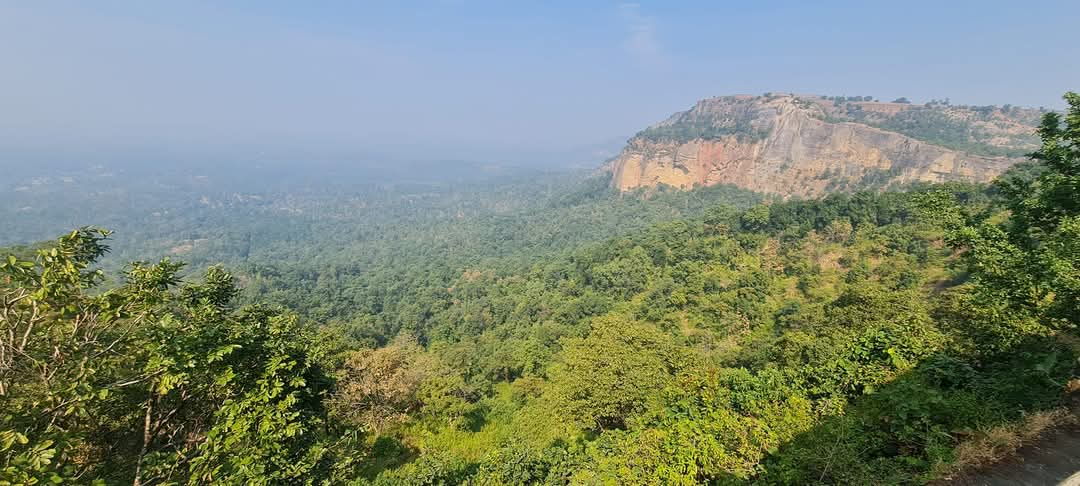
{"x":515,"y":326}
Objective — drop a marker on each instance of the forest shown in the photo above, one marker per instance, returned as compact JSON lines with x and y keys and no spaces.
{"x":551,"y":332}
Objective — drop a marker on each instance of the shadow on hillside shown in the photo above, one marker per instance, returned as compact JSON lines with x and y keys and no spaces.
{"x":1052,"y":459}
{"x":903,"y":431}
{"x":387,"y":452}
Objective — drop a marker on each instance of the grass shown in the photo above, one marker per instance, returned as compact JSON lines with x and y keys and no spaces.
{"x":996,"y":443}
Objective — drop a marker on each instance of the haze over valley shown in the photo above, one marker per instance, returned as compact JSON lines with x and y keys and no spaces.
{"x":494,"y":243}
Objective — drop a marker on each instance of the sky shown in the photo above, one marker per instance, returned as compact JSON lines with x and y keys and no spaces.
{"x":500,"y":80}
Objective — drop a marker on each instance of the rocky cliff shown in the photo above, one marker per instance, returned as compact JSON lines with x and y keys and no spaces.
{"x":794,"y":145}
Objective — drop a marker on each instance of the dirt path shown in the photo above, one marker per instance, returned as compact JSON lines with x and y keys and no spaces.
{"x":1052,"y":460}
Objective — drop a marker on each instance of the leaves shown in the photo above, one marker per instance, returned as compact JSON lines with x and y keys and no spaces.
{"x":148,"y":377}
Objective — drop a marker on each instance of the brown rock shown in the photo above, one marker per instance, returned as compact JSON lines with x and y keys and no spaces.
{"x":793,"y":146}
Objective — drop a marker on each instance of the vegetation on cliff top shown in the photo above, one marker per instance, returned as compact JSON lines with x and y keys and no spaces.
{"x":981,"y":130}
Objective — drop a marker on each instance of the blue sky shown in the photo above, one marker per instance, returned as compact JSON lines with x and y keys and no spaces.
{"x":487,"y":80}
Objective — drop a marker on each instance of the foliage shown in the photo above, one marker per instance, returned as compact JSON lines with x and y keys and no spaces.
{"x":147,"y":382}
{"x":854,"y":339}
{"x":982,"y":130}
{"x":607,"y":377}
{"x":685,"y":131}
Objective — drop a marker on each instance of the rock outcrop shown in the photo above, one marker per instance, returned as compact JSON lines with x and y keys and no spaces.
{"x":800,"y":146}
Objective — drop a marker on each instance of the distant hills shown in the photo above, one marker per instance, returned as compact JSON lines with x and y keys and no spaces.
{"x":809,"y":145}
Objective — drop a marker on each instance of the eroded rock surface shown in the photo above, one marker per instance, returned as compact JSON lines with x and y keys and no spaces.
{"x":803,"y":146}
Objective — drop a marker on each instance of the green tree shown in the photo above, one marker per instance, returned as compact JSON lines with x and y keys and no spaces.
{"x":755,"y":218}
{"x":148,"y":382}
{"x":606,"y":378}
{"x":1028,"y":266}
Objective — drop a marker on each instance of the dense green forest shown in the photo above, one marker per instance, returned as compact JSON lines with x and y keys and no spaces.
{"x":340,"y":216}
{"x":560,"y":334}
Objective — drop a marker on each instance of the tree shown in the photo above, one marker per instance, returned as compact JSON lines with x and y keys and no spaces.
{"x":1027,"y":267}
{"x":624,"y":275}
{"x":378,"y":388}
{"x":1044,"y":222}
{"x":50,"y":332}
{"x":606,"y":378}
{"x":755,"y":218}
{"x":714,"y":425}
{"x":149,"y":382}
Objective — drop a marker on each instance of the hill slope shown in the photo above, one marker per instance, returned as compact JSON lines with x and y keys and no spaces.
{"x":796,"y":145}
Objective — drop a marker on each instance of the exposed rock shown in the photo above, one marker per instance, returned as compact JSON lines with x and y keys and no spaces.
{"x":804,"y":146}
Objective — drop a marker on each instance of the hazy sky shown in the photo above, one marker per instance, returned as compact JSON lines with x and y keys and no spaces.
{"x":465,"y":79}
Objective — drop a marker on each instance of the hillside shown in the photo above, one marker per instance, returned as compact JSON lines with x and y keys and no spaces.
{"x":806,"y":146}
{"x":518,"y":336}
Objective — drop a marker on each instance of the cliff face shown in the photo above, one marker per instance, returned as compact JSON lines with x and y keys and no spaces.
{"x":799,"y":146}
